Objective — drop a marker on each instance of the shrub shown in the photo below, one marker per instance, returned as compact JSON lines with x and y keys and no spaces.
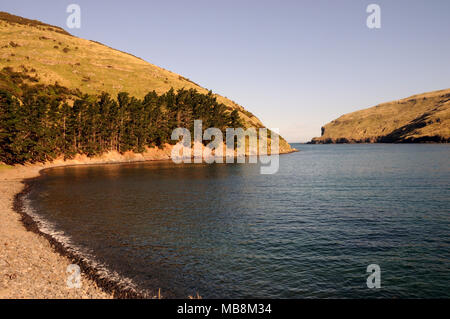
{"x":23,"y":21}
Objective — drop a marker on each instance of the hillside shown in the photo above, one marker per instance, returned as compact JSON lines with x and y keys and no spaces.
{"x":51,"y":55}
{"x":419,"y":118}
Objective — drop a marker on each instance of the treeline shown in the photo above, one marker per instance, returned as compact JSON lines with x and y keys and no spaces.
{"x":37,"y":122}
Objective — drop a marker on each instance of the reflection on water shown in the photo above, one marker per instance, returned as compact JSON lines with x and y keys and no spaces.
{"x":226,"y":231}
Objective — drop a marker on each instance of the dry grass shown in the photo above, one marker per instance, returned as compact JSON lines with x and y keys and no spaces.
{"x":414,"y":117}
{"x":197,"y":296}
{"x":4,"y":167}
{"x":76,"y":59}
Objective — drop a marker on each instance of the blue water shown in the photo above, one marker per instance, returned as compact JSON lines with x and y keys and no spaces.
{"x":226,"y":231}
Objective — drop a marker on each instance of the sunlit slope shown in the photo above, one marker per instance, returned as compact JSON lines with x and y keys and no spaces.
{"x":53,"y":55}
{"x":419,"y":118}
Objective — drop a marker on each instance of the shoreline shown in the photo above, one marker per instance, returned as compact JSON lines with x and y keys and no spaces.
{"x":95,"y":274}
{"x":33,"y":263}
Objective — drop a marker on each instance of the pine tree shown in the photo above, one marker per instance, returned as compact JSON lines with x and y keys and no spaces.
{"x":37,"y":123}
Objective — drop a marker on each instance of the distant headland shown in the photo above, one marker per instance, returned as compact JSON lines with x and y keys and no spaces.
{"x":422,"y":118}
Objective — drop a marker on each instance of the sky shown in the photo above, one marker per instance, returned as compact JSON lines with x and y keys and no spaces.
{"x":296,"y":65}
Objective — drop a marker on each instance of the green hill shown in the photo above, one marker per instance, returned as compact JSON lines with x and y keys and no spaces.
{"x":51,"y":55}
{"x":419,"y":118}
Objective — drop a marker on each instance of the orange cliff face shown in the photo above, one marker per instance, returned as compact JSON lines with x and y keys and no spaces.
{"x":419,"y":118}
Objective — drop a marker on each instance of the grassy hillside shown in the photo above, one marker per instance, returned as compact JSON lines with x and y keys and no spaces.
{"x":419,"y":118}
{"x":50,"y":54}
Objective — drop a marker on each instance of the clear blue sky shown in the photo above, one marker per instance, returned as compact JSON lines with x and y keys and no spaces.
{"x":295,"y":64}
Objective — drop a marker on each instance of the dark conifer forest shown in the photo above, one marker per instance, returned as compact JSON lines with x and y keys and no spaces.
{"x":42,"y":122}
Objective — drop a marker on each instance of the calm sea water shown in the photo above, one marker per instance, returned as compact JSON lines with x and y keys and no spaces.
{"x":224,"y":230}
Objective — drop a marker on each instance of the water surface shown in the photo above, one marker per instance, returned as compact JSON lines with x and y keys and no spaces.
{"x":226,"y":231}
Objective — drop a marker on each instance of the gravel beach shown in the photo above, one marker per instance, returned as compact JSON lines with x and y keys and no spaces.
{"x":30,"y":267}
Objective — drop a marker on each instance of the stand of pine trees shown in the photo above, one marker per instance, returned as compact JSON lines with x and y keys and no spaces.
{"x":37,"y":123}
